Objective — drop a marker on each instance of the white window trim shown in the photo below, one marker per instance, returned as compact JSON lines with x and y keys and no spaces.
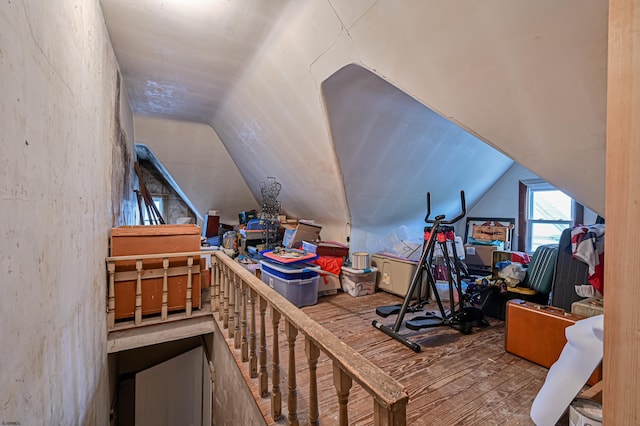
{"x":540,"y":185}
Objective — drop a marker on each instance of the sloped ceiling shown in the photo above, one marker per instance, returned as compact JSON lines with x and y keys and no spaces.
{"x":529,"y":78}
{"x":392,"y":150}
{"x":198,"y":165}
{"x":180,"y":58}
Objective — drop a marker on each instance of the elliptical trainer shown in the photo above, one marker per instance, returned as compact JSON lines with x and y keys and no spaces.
{"x":458,"y":317}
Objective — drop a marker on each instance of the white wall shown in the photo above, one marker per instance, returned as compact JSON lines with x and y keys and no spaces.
{"x":194,"y":156}
{"x":58,"y":137}
{"x":501,"y":200}
{"x":392,"y":151}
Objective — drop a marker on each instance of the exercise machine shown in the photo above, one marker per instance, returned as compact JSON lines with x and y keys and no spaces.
{"x":460,"y":317}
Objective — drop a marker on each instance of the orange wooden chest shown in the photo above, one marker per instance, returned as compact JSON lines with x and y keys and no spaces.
{"x":155,"y":239}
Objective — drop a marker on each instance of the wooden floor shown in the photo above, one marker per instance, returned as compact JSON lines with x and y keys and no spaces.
{"x":455,"y":380}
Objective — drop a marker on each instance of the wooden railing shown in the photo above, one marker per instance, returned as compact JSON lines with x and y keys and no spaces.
{"x":236,"y":294}
{"x":187,"y":266}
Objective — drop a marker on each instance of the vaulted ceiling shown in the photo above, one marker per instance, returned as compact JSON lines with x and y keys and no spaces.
{"x":526,"y":78}
{"x":180,"y":58}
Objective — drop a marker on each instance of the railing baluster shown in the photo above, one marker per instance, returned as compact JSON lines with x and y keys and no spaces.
{"x":292,"y":399}
{"x":222,"y":294}
{"x":313,"y":352}
{"x":111,"y":316}
{"x":215,"y":282}
{"x":228,"y":312}
{"x":189,"y":301}
{"x":236,"y":291}
{"x":165,"y":288}
{"x":238,"y":300}
{"x":342,"y":382}
{"x":232,"y":304}
{"x":212,"y":285}
{"x":253,"y":360}
{"x":276,"y":397}
{"x":138,"y":312}
{"x":389,"y":416}
{"x":244,"y":343}
{"x":264,"y":376}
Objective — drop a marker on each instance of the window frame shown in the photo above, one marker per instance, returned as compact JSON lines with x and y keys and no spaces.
{"x":525,"y":222}
{"x":160,"y":202}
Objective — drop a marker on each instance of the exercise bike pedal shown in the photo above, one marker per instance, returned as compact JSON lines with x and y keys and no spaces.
{"x":385,"y":311}
{"x":427,"y":321}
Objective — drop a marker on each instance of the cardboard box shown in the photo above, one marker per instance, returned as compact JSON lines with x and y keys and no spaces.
{"x":293,"y":238}
{"x":155,"y":239}
{"x":479,"y":255}
{"x":491,"y":233}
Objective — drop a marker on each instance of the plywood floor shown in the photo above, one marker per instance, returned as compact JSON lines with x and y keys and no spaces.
{"x":455,"y":380}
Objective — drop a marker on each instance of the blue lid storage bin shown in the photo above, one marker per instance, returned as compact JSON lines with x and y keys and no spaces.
{"x":290,"y":272}
{"x":300,"y":292}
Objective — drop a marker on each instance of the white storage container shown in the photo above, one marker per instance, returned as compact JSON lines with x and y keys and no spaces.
{"x":328,"y":284}
{"x":359,"y":282}
{"x":300,"y":292}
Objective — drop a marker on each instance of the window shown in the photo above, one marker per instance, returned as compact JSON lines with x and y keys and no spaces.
{"x":159,"y":202}
{"x":549,"y":212}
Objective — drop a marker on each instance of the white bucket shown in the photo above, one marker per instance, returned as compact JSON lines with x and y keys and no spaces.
{"x":585,"y":412}
{"x":360,"y":260}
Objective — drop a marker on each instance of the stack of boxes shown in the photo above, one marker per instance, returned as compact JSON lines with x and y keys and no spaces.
{"x":488,"y":238}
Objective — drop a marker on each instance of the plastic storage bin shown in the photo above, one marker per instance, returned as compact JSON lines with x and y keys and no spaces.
{"x":300,"y":292}
{"x":395,"y":275}
{"x":300,"y":271}
{"x":328,"y":284}
{"x":358,"y":282}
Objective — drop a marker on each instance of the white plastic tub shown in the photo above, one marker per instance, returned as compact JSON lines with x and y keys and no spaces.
{"x":358,"y":282}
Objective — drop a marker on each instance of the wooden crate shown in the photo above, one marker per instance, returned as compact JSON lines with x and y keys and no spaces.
{"x":155,"y":239}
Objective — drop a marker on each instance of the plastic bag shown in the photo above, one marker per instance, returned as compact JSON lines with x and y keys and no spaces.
{"x":513,"y":274}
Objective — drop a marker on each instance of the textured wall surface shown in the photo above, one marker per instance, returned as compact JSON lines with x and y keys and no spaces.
{"x":234,"y":404}
{"x":173,"y":205}
{"x":58,"y":103}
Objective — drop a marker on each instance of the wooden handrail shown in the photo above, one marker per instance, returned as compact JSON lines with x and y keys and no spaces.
{"x":390,"y":397}
{"x":158,"y":256}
